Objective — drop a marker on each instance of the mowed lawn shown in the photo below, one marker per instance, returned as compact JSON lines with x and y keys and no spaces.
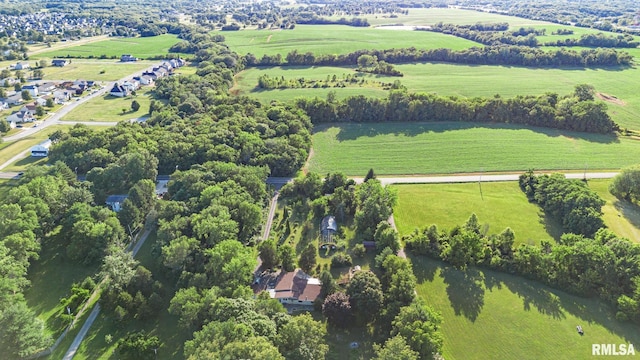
{"x":621,"y":216}
{"x":501,"y":205}
{"x":335,"y":39}
{"x":109,"y":108}
{"x":97,"y":70}
{"x":441,"y":148}
{"x":141,"y":47}
{"x":492,"y":315}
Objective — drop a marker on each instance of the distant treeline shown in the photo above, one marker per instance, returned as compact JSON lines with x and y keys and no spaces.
{"x":490,"y":34}
{"x":598,"y":40}
{"x":314,"y":20}
{"x":268,"y":83}
{"x":490,"y":55}
{"x":549,"y":110}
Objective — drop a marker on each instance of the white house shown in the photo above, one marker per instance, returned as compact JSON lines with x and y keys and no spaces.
{"x":62,"y":95}
{"x":115,"y":201}
{"x":39,"y":151}
{"x":20,"y":117}
{"x":131,"y":85}
{"x":22,"y":66}
{"x":119,"y":90}
{"x":144,"y":79}
{"x":296,"y":288}
{"x":32,"y":89}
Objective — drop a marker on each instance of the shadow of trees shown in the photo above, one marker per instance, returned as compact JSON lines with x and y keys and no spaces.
{"x":465,"y":291}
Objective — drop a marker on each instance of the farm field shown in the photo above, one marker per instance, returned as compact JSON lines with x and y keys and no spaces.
{"x":109,"y":108}
{"x":97,"y":70}
{"x":335,"y":39}
{"x":467,"y":81}
{"x":501,"y":205}
{"x":527,"y":320}
{"x":622,"y":217}
{"x":443,"y":148}
{"x":141,"y":47}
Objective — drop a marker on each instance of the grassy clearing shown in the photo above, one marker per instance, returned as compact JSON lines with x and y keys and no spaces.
{"x":109,"y":108}
{"x":622,"y":217}
{"x":51,"y":277}
{"x":430,"y":148}
{"x":97,"y":70}
{"x":13,"y":148}
{"x":503,"y":316}
{"x":501,"y":205}
{"x":141,"y":47}
{"x":335,"y":39}
{"x":163,"y":325}
{"x":466,"y":81}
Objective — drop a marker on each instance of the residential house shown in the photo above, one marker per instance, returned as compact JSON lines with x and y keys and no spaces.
{"x":115,"y":202}
{"x":6,"y":82}
{"x":144,"y":80}
{"x":60,"y":96}
{"x":22,"y":66}
{"x":15,"y":99}
{"x":119,"y":90}
{"x":46,"y":88}
{"x":60,"y":62}
{"x":39,"y":151}
{"x":40,"y":101}
{"x":4,"y":105}
{"x":131,"y":85}
{"x":296,"y":288}
{"x":32,"y":89}
{"x":21,"y":117}
{"x":127,"y":58}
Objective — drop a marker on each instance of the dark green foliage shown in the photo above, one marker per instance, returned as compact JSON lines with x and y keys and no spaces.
{"x":135,"y":106}
{"x":302,"y":338}
{"x":337,"y":309}
{"x":626,"y":185}
{"x":395,"y":348}
{"x":138,"y":345}
{"x":22,"y":333}
{"x":375,"y":204}
{"x":287,"y":256}
{"x":547,"y":110}
{"x":366,"y":297}
{"x":341,"y":260}
{"x":268,"y":253}
{"x":419,"y":324}
{"x":308,"y":259}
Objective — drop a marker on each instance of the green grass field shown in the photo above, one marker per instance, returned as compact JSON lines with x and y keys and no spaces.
{"x":142,"y":47}
{"x":432,"y":148}
{"x":335,"y":39}
{"x":467,"y":81}
{"x":13,"y":148}
{"x":491,"y":315}
{"x":109,"y":108}
{"x":97,"y":70}
{"x":622,"y":217}
{"x":501,"y":205}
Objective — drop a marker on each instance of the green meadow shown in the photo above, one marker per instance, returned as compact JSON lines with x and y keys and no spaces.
{"x":621,"y":216}
{"x":498,"y":205}
{"x":110,"y":108}
{"x":492,"y":315}
{"x":335,"y":39}
{"x":142,"y":47}
{"x":467,"y":81}
{"x":97,"y":70}
{"x":443,"y":148}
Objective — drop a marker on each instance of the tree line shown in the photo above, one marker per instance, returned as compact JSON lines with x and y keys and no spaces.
{"x":598,"y":40}
{"x":488,"y":55}
{"x":578,"y":111}
{"x":605,"y":265}
{"x":349,"y":80}
{"x":487,"y":35}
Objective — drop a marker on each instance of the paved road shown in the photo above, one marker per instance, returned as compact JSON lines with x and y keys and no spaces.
{"x":96,"y":310}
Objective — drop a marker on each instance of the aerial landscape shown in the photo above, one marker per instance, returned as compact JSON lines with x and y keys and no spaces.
{"x":319,"y":179}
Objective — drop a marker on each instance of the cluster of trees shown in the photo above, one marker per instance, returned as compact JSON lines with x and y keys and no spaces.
{"x":370,"y":64}
{"x":598,"y":40}
{"x":349,"y":80}
{"x":578,"y":208}
{"x":46,"y":197}
{"x":605,"y":265}
{"x":488,"y":34}
{"x":626,"y":185}
{"x":578,"y":111}
{"x":488,"y":55}
{"x":314,"y":20}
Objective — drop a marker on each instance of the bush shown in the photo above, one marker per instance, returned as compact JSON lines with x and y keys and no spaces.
{"x":341,"y":260}
{"x":359,"y":250}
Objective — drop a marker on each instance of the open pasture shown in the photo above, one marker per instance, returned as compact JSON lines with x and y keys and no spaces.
{"x":492,"y":315}
{"x":620,"y":216}
{"x":439,"y":148}
{"x":97,"y":70}
{"x":501,"y":205}
{"x":335,"y":39}
{"x":142,"y":47}
{"x":473,"y":81}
